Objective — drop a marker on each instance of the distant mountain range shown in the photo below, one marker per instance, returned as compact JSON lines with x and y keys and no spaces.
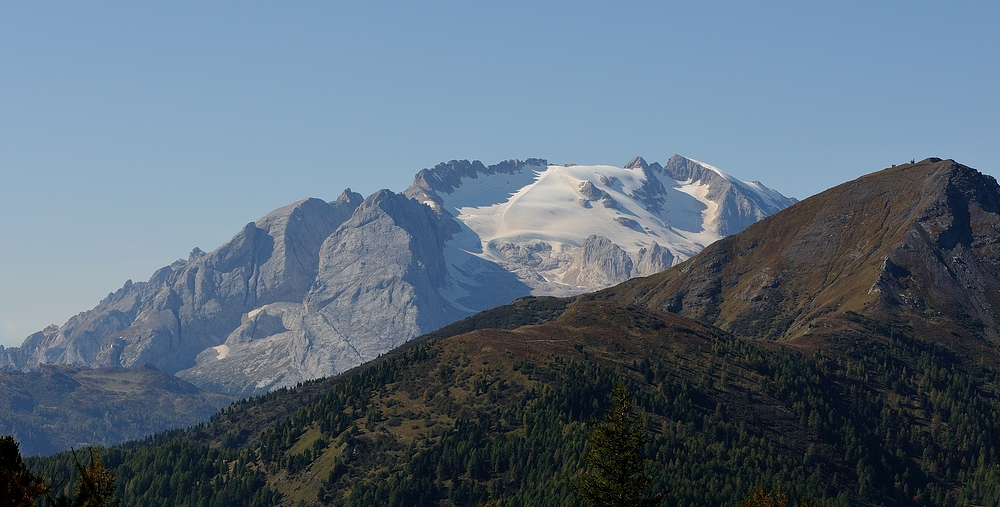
{"x":843,"y":349}
{"x":56,"y":407}
{"x":315,"y":288}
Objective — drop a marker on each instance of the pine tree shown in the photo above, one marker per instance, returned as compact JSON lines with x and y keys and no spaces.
{"x":617,"y":470}
{"x":95,"y":485}
{"x":18,"y":486}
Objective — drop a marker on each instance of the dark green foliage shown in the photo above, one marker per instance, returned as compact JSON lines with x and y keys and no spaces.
{"x":95,"y":484}
{"x":18,"y":486}
{"x":616,"y":474}
{"x":764,"y":498}
{"x":174,"y":472}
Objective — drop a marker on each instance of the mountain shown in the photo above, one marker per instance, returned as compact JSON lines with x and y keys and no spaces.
{"x":56,"y":407}
{"x":880,"y":402}
{"x":569,"y":229}
{"x":315,"y":288}
{"x":915,"y":244}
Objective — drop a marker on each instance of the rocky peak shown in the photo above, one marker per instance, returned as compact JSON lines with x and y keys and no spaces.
{"x":430,"y":184}
{"x":379,"y":197}
{"x":599,"y":262}
{"x":637,"y":163}
{"x":350,"y":197}
{"x":684,"y":169}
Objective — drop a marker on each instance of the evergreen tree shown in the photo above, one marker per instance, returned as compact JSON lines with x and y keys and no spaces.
{"x":18,"y":486}
{"x":95,"y":485}
{"x":617,"y":470}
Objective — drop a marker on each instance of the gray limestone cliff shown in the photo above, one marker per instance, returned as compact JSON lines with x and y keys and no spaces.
{"x":375,"y":286}
{"x":195,"y":303}
{"x":599,"y":262}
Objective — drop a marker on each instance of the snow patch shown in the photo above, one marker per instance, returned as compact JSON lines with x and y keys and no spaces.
{"x":710,"y":214}
{"x":486,"y":190}
{"x":549,"y":210}
{"x":222,"y":351}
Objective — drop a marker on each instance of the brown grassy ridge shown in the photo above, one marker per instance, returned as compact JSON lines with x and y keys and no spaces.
{"x":915,"y":243}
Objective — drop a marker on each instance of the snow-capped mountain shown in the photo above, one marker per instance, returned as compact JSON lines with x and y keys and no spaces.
{"x":315,"y":288}
{"x":573,"y":228}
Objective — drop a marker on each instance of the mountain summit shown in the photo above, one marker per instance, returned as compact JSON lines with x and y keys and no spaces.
{"x":916,"y":244}
{"x":315,"y":288}
{"x":573,"y":228}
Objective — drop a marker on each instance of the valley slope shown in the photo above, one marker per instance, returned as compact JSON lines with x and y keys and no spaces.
{"x":56,"y":407}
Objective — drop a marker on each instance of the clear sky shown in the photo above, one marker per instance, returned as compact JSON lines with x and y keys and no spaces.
{"x":131,"y":132}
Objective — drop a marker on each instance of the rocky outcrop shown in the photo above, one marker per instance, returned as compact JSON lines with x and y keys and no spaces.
{"x":599,"y":262}
{"x":652,"y":260}
{"x":376,"y":286}
{"x":446,"y":177}
{"x":387,"y":260}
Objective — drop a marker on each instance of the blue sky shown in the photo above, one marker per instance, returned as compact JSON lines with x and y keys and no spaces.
{"x":131,"y":133}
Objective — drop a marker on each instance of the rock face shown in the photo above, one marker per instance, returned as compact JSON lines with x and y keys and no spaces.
{"x":599,"y":262}
{"x":315,"y":288}
{"x":917,"y":244}
{"x":193,"y":305}
{"x":739,"y":203}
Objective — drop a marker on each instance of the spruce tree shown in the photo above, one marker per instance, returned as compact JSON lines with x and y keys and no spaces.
{"x":18,"y":486}
{"x":616,"y":474}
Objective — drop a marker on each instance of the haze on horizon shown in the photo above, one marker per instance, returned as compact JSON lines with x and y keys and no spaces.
{"x":134,"y":133}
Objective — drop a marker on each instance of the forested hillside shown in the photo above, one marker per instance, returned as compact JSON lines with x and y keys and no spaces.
{"x":880,"y":417}
{"x":57,"y":407}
